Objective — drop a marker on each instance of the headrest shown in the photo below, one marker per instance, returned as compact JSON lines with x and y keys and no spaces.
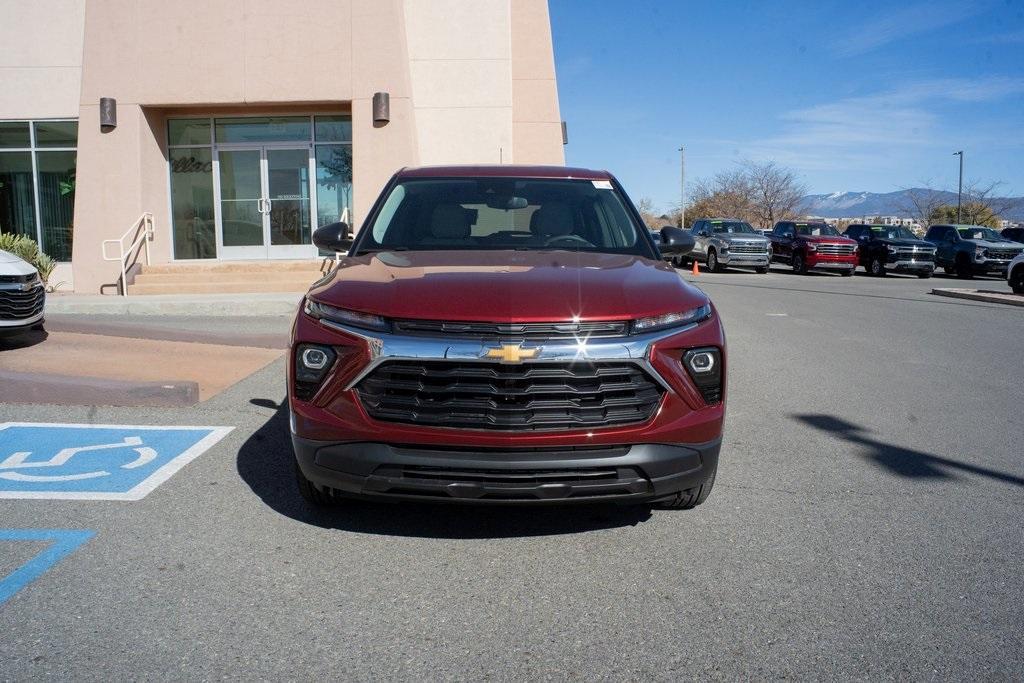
{"x":552,"y":220}
{"x":449,"y":221}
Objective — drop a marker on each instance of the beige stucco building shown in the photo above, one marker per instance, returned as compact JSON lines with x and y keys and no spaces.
{"x":241,"y":125}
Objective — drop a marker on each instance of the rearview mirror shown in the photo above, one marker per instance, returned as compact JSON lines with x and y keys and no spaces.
{"x":675,"y":242}
{"x":332,"y":237}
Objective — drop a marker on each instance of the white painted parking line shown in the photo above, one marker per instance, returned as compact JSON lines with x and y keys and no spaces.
{"x":95,"y":462}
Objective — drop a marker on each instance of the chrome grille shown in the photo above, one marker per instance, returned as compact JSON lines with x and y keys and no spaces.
{"x":18,"y":305}
{"x":1002,"y":254}
{"x":748,"y":247}
{"x":533,"y":396}
{"x":836,"y":249}
{"x":914,"y":254}
{"x":477,"y":330}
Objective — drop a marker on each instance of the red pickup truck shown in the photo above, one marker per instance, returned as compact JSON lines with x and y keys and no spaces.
{"x":811,"y":246}
{"x":506,"y":334}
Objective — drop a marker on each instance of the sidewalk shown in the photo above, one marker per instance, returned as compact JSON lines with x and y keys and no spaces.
{"x":987,"y":295}
{"x":247,"y":305}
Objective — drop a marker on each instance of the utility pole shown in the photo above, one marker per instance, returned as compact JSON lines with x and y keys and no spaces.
{"x":682,"y":188}
{"x":960,"y":185}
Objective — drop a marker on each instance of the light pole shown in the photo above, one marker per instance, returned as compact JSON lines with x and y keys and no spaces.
{"x":960,"y":185}
{"x":682,"y":188}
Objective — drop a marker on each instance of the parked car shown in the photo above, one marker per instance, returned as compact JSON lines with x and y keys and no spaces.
{"x":969,"y":250}
{"x":724,"y":242}
{"x":813,"y":246}
{"x":888,"y":248}
{"x":22,"y":296}
{"x":1015,"y":274}
{"x":1013,"y":234}
{"x":506,"y":334}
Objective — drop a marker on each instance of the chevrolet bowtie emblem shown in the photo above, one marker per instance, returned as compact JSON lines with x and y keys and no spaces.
{"x":512,"y":353}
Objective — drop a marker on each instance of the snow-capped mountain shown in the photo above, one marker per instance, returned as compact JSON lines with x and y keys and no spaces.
{"x":852,"y":204}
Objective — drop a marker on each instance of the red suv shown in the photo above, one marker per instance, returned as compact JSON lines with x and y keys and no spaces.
{"x":506,"y":335}
{"x":813,"y":246}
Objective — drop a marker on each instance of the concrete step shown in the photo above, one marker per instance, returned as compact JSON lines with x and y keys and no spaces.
{"x":238,"y":286}
{"x":306,"y":265}
{"x":193,"y":277}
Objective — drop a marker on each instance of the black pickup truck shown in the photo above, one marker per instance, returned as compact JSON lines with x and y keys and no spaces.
{"x":890,"y":248}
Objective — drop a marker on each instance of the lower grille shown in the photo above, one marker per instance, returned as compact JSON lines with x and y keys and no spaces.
{"x":21,"y":305}
{"x":755,"y":248}
{"x":836,"y":249}
{"x":535,"y":396}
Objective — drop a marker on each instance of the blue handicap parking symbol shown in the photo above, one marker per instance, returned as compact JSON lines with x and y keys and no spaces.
{"x":62,"y":542}
{"x":101,"y":462}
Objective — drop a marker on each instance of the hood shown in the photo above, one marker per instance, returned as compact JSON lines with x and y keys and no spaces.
{"x":507,"y":286}
{"x":908,"y":243}
{"x":827,"y":239}
{"x":741,"y":238}
{"x":993,"y":244}
{"x":12,"y":265}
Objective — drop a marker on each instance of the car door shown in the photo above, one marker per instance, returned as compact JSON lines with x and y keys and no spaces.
{"x":700,"y":241}
{"x":784,"y":234}
{"x":946,"y":253}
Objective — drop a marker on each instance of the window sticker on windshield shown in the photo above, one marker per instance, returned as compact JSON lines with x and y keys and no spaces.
{"x":602,"y":184}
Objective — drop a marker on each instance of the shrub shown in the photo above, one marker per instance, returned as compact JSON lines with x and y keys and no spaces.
{"x":26,"y":249}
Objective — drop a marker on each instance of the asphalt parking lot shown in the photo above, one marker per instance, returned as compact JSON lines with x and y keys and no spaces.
{"x":866,"y":522}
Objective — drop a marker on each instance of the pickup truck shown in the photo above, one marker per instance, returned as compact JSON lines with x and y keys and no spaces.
{"x":808,"y":246}
{"x":889,"y":248}
{"x":724,"y":242}
{"x":506,"y":335}
{"x":969,"y":250}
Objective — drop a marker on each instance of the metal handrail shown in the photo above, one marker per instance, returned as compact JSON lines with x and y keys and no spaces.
{"x":145,"y":221}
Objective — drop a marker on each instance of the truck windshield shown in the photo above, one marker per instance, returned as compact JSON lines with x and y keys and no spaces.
{"x":505,"y":213}
{"x":732,"y":227}
{"x":888,"y":233}
{"x":816,"y":229}
{"x":979,"y":234}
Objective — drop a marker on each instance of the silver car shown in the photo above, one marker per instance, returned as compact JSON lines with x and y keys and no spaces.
{"x":724,"y":242}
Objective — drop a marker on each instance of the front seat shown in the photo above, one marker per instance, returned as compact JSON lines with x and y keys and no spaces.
{"x":449,"y":225}
{"x":552,"y":220}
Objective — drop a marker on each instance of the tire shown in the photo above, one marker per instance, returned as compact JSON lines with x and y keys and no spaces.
{"x":949,"y":270}
{"x":762,"y":269}
{"x":799,"y":264}
{"x":310,"y":493}
{"x":963,"y":268}
{"x":848,"y":273}
{"x":690,"y":498}
{"x":713,"y":265}
{"x":924,"y":276}
{"x":876,"y":267}
{"x":1017,"y":280}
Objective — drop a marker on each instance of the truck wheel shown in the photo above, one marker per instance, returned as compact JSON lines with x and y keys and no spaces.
{"x":311,"y":493}
{"x":949,"y":270}
{"x":690,"y":498}
{"x":963,"y":268}
{"x":1017,"y":280}
{"x":876,"y":267}
{"x":761,"y":269}
{"x":924,"y":276}
{"x":848,"y":273}
{"x":713,"y":265}
{"x":799,"y":265}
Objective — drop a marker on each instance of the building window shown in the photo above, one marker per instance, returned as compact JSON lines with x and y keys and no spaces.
{"x":37,"y":182}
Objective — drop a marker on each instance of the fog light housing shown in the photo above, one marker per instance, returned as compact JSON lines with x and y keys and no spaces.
{"x":312,"y":364}
{"x":704,"y":366}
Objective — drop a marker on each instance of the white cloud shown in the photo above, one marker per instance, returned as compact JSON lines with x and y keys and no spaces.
{"x":904,"y":23}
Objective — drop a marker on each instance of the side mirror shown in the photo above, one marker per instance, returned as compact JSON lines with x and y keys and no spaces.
{"x":332,"y":237}
{"x":675,"y":242}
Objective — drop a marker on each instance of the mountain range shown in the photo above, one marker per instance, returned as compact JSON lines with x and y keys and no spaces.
{"x":854,"y":204}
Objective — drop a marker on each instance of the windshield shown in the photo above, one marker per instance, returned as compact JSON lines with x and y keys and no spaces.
{"x":891,"y":233}
{"x":816,"y":229}
{"x":505,"y":213}
{"x":979,"y":234}
{"x":732,"y":227}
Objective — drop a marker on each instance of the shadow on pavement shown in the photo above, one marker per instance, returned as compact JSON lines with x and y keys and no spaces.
{"x":265,"y":462}
{"x":904,"y":462}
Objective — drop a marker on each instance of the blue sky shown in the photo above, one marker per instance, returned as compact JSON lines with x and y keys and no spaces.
{"x":863,"y":96}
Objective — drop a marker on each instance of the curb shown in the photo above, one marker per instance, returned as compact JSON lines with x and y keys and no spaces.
{"x":981,"y":295}
{"x":193,"y":305}
{"x":24,"y":387}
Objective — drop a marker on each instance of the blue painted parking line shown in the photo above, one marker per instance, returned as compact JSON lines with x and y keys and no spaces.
{"x":95,"y":462}
{"x":63,"y":542}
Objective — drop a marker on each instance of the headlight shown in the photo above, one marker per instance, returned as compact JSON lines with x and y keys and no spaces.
{"x":979,"y":253}
{"x":811,"y":246}
{"x":320,"y":311}
{"x":892,"y":249}
{"x":705,"y":368}
{"x":661,"y":322}
{"x":312,"y":364}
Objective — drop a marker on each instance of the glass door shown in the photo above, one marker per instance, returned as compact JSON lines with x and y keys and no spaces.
{"x":288,"y":203}
{"x":265,"y":204}
{"x":241,"y":215}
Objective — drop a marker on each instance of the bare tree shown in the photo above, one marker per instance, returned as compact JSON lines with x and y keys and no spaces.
{"x":921,"y":203}
{"x":776,"y":192}
{"x":647,"y":212}
{"x":978,"y":206}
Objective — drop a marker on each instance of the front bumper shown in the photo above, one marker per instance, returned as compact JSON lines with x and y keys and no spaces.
{"x":816,"y":264}
{"x":743,"y":259}
{"x":991,"y":266}
{"x":624,"y":473}
{"x":10,"y":328}
{"x":910,"y":266}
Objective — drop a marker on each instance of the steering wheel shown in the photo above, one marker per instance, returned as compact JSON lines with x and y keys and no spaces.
{"x":566,"y":238}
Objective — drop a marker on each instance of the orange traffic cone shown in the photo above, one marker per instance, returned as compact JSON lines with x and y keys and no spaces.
{"x":696,"y":268}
